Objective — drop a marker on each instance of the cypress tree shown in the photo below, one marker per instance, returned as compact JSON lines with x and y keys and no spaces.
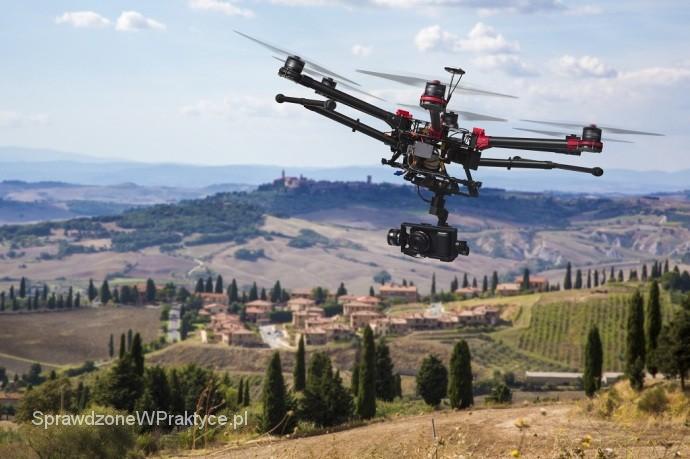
{"x":233,"y":292}
{"x":454,"y":284}
{"x":246,"y":400}
{"x":644,"y":272}
{"x":398,"y":385}
{"x":263,"y":295}
{"x":465,"y":281}
{"x":666,"y":266}
{"x":219,"y":284}
{"x":433,"y":285}
{"x":77,"y":300}
{"x":485,"y":284}
{"x":460,"y":384}
{"x":432,"y":380}
{"x":150,"y":290}
{"x":22,"y":287}
{"x":635,"y":342}
{"x":578,"y":279}
{"x":620,"y":275}
{"x":92,"y":292}
{"x":129,"y":340}
{"x":254,"y":292}
{"x":208,"y":288}
{"x":274,"y":411}
{"x":354,"y":382}
{"x":2,"y":300}
{"x":596,"y":278}
{"x":299,"y":374}
{"x":366,"y":388}
{"x":474,"y":282}
{"x":494,"y":281}
{"x":341,"y":290}
{"x":111,"y":346}
{"x":105,"y":292}
{"x":240,"y":393}
{"x":371,"y":291}
{"x":138,"y":354}
{"x":123,"y":349}
{"x":44,"y":293}
{"x":276,"y":292}
{"x":594,"y":359}
{"x":385,"y":380}
{"x":12,"y":292}
{"x":525,"y":280}
{"x":199,"y":288}
{"x":653,"y":324}
{"x":70,"y":298}
{"x":589,"y":278}
{"x":568,"y":281}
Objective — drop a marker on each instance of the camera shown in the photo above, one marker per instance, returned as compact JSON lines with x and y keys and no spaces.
{"x":427,"y":241}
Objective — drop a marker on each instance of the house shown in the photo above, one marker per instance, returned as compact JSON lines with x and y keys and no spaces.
{"x":300,"y":318}
{"x":418,"y":321}
{"x":301,"y":293}
{"x":468,"y":292}
{"x":10,"y":398}
{"x":314,"y":336}
{"x":389,"y":326}
{"x":362,"y":318}
{"x":223,"y":322}
{"x":508,"y":289}
{"x":300,"y":304}
{"x":481,"y":315}
{"x":337,"y":332}
{"x":447,"y":321}
{"x":208,"y":298}
{"x":213,"y":309}
{"x":555,"y":378}
{"x":357,"y":306}
{"x":261,"y":304}
{"x":538,"y":283}
{"x":244,"y":337}
{"x":398,"y":293}
{"x":257,"y":315}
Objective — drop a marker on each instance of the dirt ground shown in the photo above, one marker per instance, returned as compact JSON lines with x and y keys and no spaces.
{"x":536,"y":431}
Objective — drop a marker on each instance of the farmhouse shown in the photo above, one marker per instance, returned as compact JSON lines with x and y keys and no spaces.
{"x":314,"y":336}
{"x":301,"y":293}
{"x":300,"y":318}
{"x":468,"y":292}
{"x":261,"y":304}
{"x":389,"y":326}
{"x":212,"y":309}
{"x":361,"y":319}
{"x":257,"y":315}
{"x":208,"y":298}
{"x":481,"y":315}
{"x":243,"y":337}
{"x":300,"y":304}
{"x":398,"y":292}
{"x":538,"y":283}
{"x":509,"y":289}
{"x":556,"y":378}
{"x":358,"y":306}
{"x":10,"y":398}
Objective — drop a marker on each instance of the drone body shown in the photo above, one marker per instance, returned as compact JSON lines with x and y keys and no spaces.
{"x":422,"y":150}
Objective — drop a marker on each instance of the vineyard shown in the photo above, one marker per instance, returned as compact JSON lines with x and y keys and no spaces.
{"x":557,"y":330}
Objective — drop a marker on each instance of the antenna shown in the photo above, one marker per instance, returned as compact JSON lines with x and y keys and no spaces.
{"x":453,"y":71}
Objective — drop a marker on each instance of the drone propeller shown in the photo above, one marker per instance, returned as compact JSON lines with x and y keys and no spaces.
{"x":468,"y":116}
{"x":321,"y":69}
{"x":412,"y":80}
{"x":613,"y":130}
{"x":562,"y":133}
{"x":318,"y":75}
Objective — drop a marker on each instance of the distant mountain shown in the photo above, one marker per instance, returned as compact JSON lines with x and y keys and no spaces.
{"x":47,"y":165}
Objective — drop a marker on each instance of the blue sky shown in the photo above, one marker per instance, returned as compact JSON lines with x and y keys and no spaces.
{"x":170,"y":81}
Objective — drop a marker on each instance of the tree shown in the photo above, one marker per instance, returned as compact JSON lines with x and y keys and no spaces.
{"x":130,"y":335}
{"x":246,"y":399}
{"x":433,"y":285}
{"x":156,"y":393}
{"x":465,"y":281}
{"x":432,"y":380}
{"x":22,"y":287}
{"x":111,"y":346}
{"x":254,"y":292}
{"x":500,"y":393}
{"x":233,"y":292}
{"x":635,"y":342}
{"x":366,"y":387}
{"x":589,"y":278}
{"x":525,"y":280}
{"x":653,"y":324}
{"x":34,"y":376}
{"x":594,"y":359}
{"x":454,"y":284}
{"x":121,"y":386}
{"x":385,"y":380}
{"x":137,"y":352}
{"x":199,"y":288}
{"x":485,"y":284}
{"x":92,"y":292}
{"x":150,"y":290}
{"x":371,"y":291}
{"x":460,"y":384}
{"x":578,"y":279}
{"x":596,"y":278}
{"x":219,"y":284}
{"x":123,"y":350}
{"x":620,"y":275}
{"x":105,"y":292}
{"x":208,"y":288}
{"x":382,"y":277}
{"x":672,"y":356}
{"x":240,"y":393}
{"x":568,"y":281}
{"x":276,"y":292}
{"x":341,"y":290}
{"x":299,"y":375}
{"x":326,"y":402}
{"x":398,"y":386}
{"x":263,"y":295}
{"x":494,"y":281}
{"x":644,"y":274}
{"x":354,"y":381}
{"x":274,"y":414}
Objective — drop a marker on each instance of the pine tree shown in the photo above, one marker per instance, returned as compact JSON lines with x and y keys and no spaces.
{"x":219,"y":284}
{"x":111,"y":346}
{"x":460,"y":384}
{"x":385,"y":380}
{"x":494,"y":281}
{"x":454,"y":284}
{"x":240,"y":393}
{"x":92,"y":292}
{"x":299,"y":375}
{"x":326,"y":402}
{"x":199,"y":288}
{"x":594,"y":359}
{"x":653,"y":324}
{"x":485,"y":284}
{"x":254,"y":292}
{"x":105,"y":292}
{"x":432,"y":380}
{"x":22,"y":287}
{"x":465,"y":281}
{"x":138,"y":354}
{"x":274,"y":414}
{"x":233,"y":293}
{"x":366,"y":388}
{"x":672,"y":355}
{"x":150,"y":290}
{"x":263,"y":295}
{"x":635,"y":342}
{"x":578,"y":279}
{"x":568,"y":281}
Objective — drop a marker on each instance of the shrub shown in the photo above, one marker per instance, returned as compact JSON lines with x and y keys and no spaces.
{"x":500,"y":393}
{"x":653,"y":401}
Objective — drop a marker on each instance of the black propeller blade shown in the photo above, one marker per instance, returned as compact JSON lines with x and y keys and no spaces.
{"x":561,"y":134}
{"x":613,"y":130}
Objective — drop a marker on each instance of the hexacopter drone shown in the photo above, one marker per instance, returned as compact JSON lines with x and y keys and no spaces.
{"x":421,"y":150}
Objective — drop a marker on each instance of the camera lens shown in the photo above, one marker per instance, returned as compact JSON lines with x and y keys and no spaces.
{"x":419,"y":241}
{"x":394,"y":237}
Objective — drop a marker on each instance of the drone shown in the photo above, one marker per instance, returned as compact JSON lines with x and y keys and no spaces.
{"x":422,"y":150}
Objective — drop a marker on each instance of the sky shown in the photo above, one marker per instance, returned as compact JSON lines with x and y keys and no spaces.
{"x":170,"y":81}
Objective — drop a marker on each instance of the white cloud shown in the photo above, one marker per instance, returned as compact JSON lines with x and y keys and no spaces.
{"x":485,"y":7}
{"x":220,"y":6}
{"x":83,"y":19}
{"x":481,"y":39}
{"x":657,"y":76}
{"x":132,"y":21}
{"x":361,"y":50}
{"x":509,"y":63}
{"x":12,"y":119}
{"x":585,"y":66}
{"x":237,"y":107}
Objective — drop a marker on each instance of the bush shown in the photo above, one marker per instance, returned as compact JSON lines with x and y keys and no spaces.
{"x":653,"y":401}
{"x":249,"y":255}
{"x":307,"y":238}
{"x":500,"y":393}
